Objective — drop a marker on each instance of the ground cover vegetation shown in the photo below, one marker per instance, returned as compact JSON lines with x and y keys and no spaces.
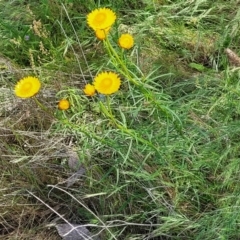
{"x":119,"y":119}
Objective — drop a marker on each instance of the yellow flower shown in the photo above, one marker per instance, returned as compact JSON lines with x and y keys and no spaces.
{"x":101,"y":18}
{"x":101,"y":34}
{"x":27,"y":87}
{"x":126,"y":41}
{"x":107,"y":83}
{"x":63,"y":104}
{"x":89,"y":90}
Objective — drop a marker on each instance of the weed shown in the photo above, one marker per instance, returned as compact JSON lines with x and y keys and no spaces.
{"x":144,"y":144}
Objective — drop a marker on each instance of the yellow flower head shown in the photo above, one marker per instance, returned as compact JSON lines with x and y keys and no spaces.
{"x":27,"y":87}
{"x":101,"y":18}
{"x":63,"y":104}
{"x":107,"y":83}
{"x":89,"y":90}
{"x":126,"y":41}
{"x":101,"y":34}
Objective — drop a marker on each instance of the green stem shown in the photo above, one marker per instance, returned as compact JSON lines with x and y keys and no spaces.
{"x":43,"y":107}
{"x":114,"y":55}
{"x":108,"y":112}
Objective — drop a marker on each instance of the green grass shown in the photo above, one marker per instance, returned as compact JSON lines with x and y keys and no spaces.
{"x":160,"y":157}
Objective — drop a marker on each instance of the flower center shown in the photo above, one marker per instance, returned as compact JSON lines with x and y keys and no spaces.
{"x":27,"y":86}
{"x":100,"y":18}
{"x":107,"y":82}
{"x":127,"y":40}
